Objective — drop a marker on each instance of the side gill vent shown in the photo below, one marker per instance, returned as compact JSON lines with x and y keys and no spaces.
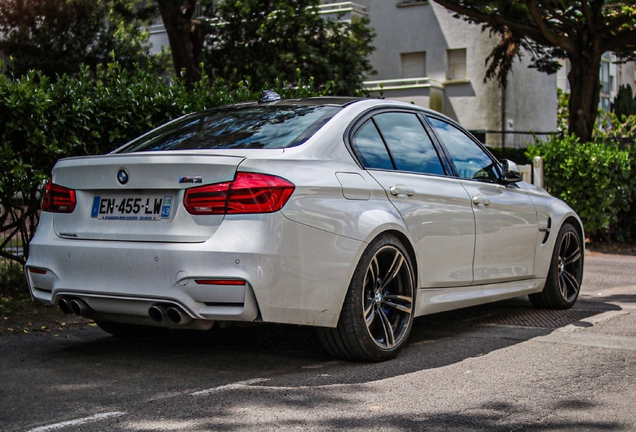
{"x":547,"y":231}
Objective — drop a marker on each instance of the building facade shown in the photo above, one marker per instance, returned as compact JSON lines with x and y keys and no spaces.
{"x":427,"y":57}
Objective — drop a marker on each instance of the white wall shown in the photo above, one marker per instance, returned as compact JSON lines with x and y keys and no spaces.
{"x":426,"y":26}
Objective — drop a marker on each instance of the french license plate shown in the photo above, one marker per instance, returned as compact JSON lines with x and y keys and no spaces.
{"x":150,"y":208}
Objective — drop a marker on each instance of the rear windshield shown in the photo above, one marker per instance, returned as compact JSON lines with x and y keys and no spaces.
{"x":251,"y":127}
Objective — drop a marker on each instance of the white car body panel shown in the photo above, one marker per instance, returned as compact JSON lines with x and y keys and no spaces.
{"x":505,"y":233}
{"x":440,"y":221}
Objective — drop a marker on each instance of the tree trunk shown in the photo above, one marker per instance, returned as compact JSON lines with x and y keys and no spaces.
{"x":585,"y":86}
{"x":177,"y":16}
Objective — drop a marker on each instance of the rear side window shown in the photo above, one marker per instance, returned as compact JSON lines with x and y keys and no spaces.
{"x":252,"y":127}
{"x":396,"y":141}
{"x":370,"y":149}
{"x":410,"y":146}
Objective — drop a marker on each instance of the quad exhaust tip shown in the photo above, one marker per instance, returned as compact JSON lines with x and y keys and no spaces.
{"x":174,"y":314}
{"x":64,"y":306}
{"x":77,"y":306}
{"x":157,"y":313}
{"x":177,"y":316}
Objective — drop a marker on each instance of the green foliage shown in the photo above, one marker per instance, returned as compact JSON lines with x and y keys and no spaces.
{"x":42,"y":121}
{"x":14,"y":292}
{"x":595,"y":178}
{"x":624,"y":104}
{"x":613,"y":127}
{"x":563,"y":113}
{"x":517,"y":155}
{"x":268,"y":40}
{"x":57,"y":36}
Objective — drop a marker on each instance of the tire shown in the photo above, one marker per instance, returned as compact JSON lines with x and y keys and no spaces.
{"x":563,"y":283}
{"x":377,"y":314}
{"x":128,"y":331}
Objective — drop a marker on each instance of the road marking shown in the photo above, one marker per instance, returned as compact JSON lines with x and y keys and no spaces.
{"x":233,"y":386}
{"x":77,"y":422}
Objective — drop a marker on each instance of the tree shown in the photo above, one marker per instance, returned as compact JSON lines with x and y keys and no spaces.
{"x":57,"y":36}
{"x":186,"y":37}
{"x":579,"y":30}
{"x":624,"y":104}
{"x":273,"y":39}
{"x":266,"y":40}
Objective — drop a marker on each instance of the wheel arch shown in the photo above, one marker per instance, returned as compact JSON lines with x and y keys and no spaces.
{"x":578,"y":226}
{"x":406,"y":242}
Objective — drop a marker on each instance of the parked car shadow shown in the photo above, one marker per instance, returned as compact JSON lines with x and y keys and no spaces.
{"x":246,"y":351}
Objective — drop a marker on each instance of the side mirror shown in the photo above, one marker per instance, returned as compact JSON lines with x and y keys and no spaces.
{"x":511,"y":173}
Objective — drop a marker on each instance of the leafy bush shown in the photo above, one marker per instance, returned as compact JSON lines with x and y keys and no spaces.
{"x":517,"y":155}
{"x":612,"y":127}
{"x":42,"y":121}
{"x":13,"y":289}
{"x":624,"y":104}
{"x":595,"y":178}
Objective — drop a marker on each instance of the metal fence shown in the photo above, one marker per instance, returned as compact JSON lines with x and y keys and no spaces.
{"x":14,"y":246}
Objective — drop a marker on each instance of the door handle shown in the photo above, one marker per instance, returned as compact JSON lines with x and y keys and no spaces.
{"x":477,"y":200}
{"x":402,"y":190}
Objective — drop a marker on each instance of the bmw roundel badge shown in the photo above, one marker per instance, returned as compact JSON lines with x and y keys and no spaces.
{"x":122,"y":176}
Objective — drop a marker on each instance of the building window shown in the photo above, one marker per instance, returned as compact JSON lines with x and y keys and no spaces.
{"x":604,"y":103}
{"x":405,"y":3}
{"x":456,"y":64}
{"x":413,"y":64}
{"x":606,"y":80}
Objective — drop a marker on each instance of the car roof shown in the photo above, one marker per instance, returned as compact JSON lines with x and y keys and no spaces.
{"x":341,"y":101}
{"x":344,"y":101}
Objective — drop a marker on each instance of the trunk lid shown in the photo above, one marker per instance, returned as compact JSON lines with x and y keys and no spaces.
{"x":139,"y":196}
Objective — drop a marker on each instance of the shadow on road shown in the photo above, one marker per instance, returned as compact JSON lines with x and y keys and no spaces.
{"x":244,"y":352}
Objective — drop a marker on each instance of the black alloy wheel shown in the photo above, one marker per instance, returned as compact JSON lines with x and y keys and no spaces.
{"x":377,"y":315}
{"x":563,"y":283}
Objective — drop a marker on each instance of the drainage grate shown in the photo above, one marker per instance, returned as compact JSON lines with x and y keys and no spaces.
{"x":538,"y":317}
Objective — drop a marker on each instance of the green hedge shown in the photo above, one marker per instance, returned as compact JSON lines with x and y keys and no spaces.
{"x":517,"y":155}
{"x":597,"y":179}
{"x":41,"y":121}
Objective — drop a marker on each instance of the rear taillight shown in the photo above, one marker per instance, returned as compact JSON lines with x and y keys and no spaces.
{"x":248,"y":193}
{"x":58,"y":199}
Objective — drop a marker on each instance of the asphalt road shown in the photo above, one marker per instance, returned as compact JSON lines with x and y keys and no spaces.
{"x":500,"y":367}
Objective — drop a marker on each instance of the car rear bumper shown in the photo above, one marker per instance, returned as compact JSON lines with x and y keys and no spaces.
{"x":292,"y":273}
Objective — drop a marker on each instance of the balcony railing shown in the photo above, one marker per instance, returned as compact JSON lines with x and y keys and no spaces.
{"x":345,"y":11}
{"x":402,"y":84}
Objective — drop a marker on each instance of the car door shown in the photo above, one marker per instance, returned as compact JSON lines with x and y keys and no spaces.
{"x":505,"y":217}
{"x":398,"y":152}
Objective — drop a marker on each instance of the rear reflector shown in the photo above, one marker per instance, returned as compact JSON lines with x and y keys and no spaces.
{"x":219,"y":282}
{"x":37,"y":270}
{"x":58,"y":199}
{"x":248,"y":193}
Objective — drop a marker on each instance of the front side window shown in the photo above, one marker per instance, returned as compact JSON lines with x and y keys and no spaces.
{"x":252,"y":127}
{"x":470,"y":160}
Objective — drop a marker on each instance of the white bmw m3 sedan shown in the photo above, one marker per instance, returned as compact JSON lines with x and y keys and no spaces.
{"x":350,"y":215}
